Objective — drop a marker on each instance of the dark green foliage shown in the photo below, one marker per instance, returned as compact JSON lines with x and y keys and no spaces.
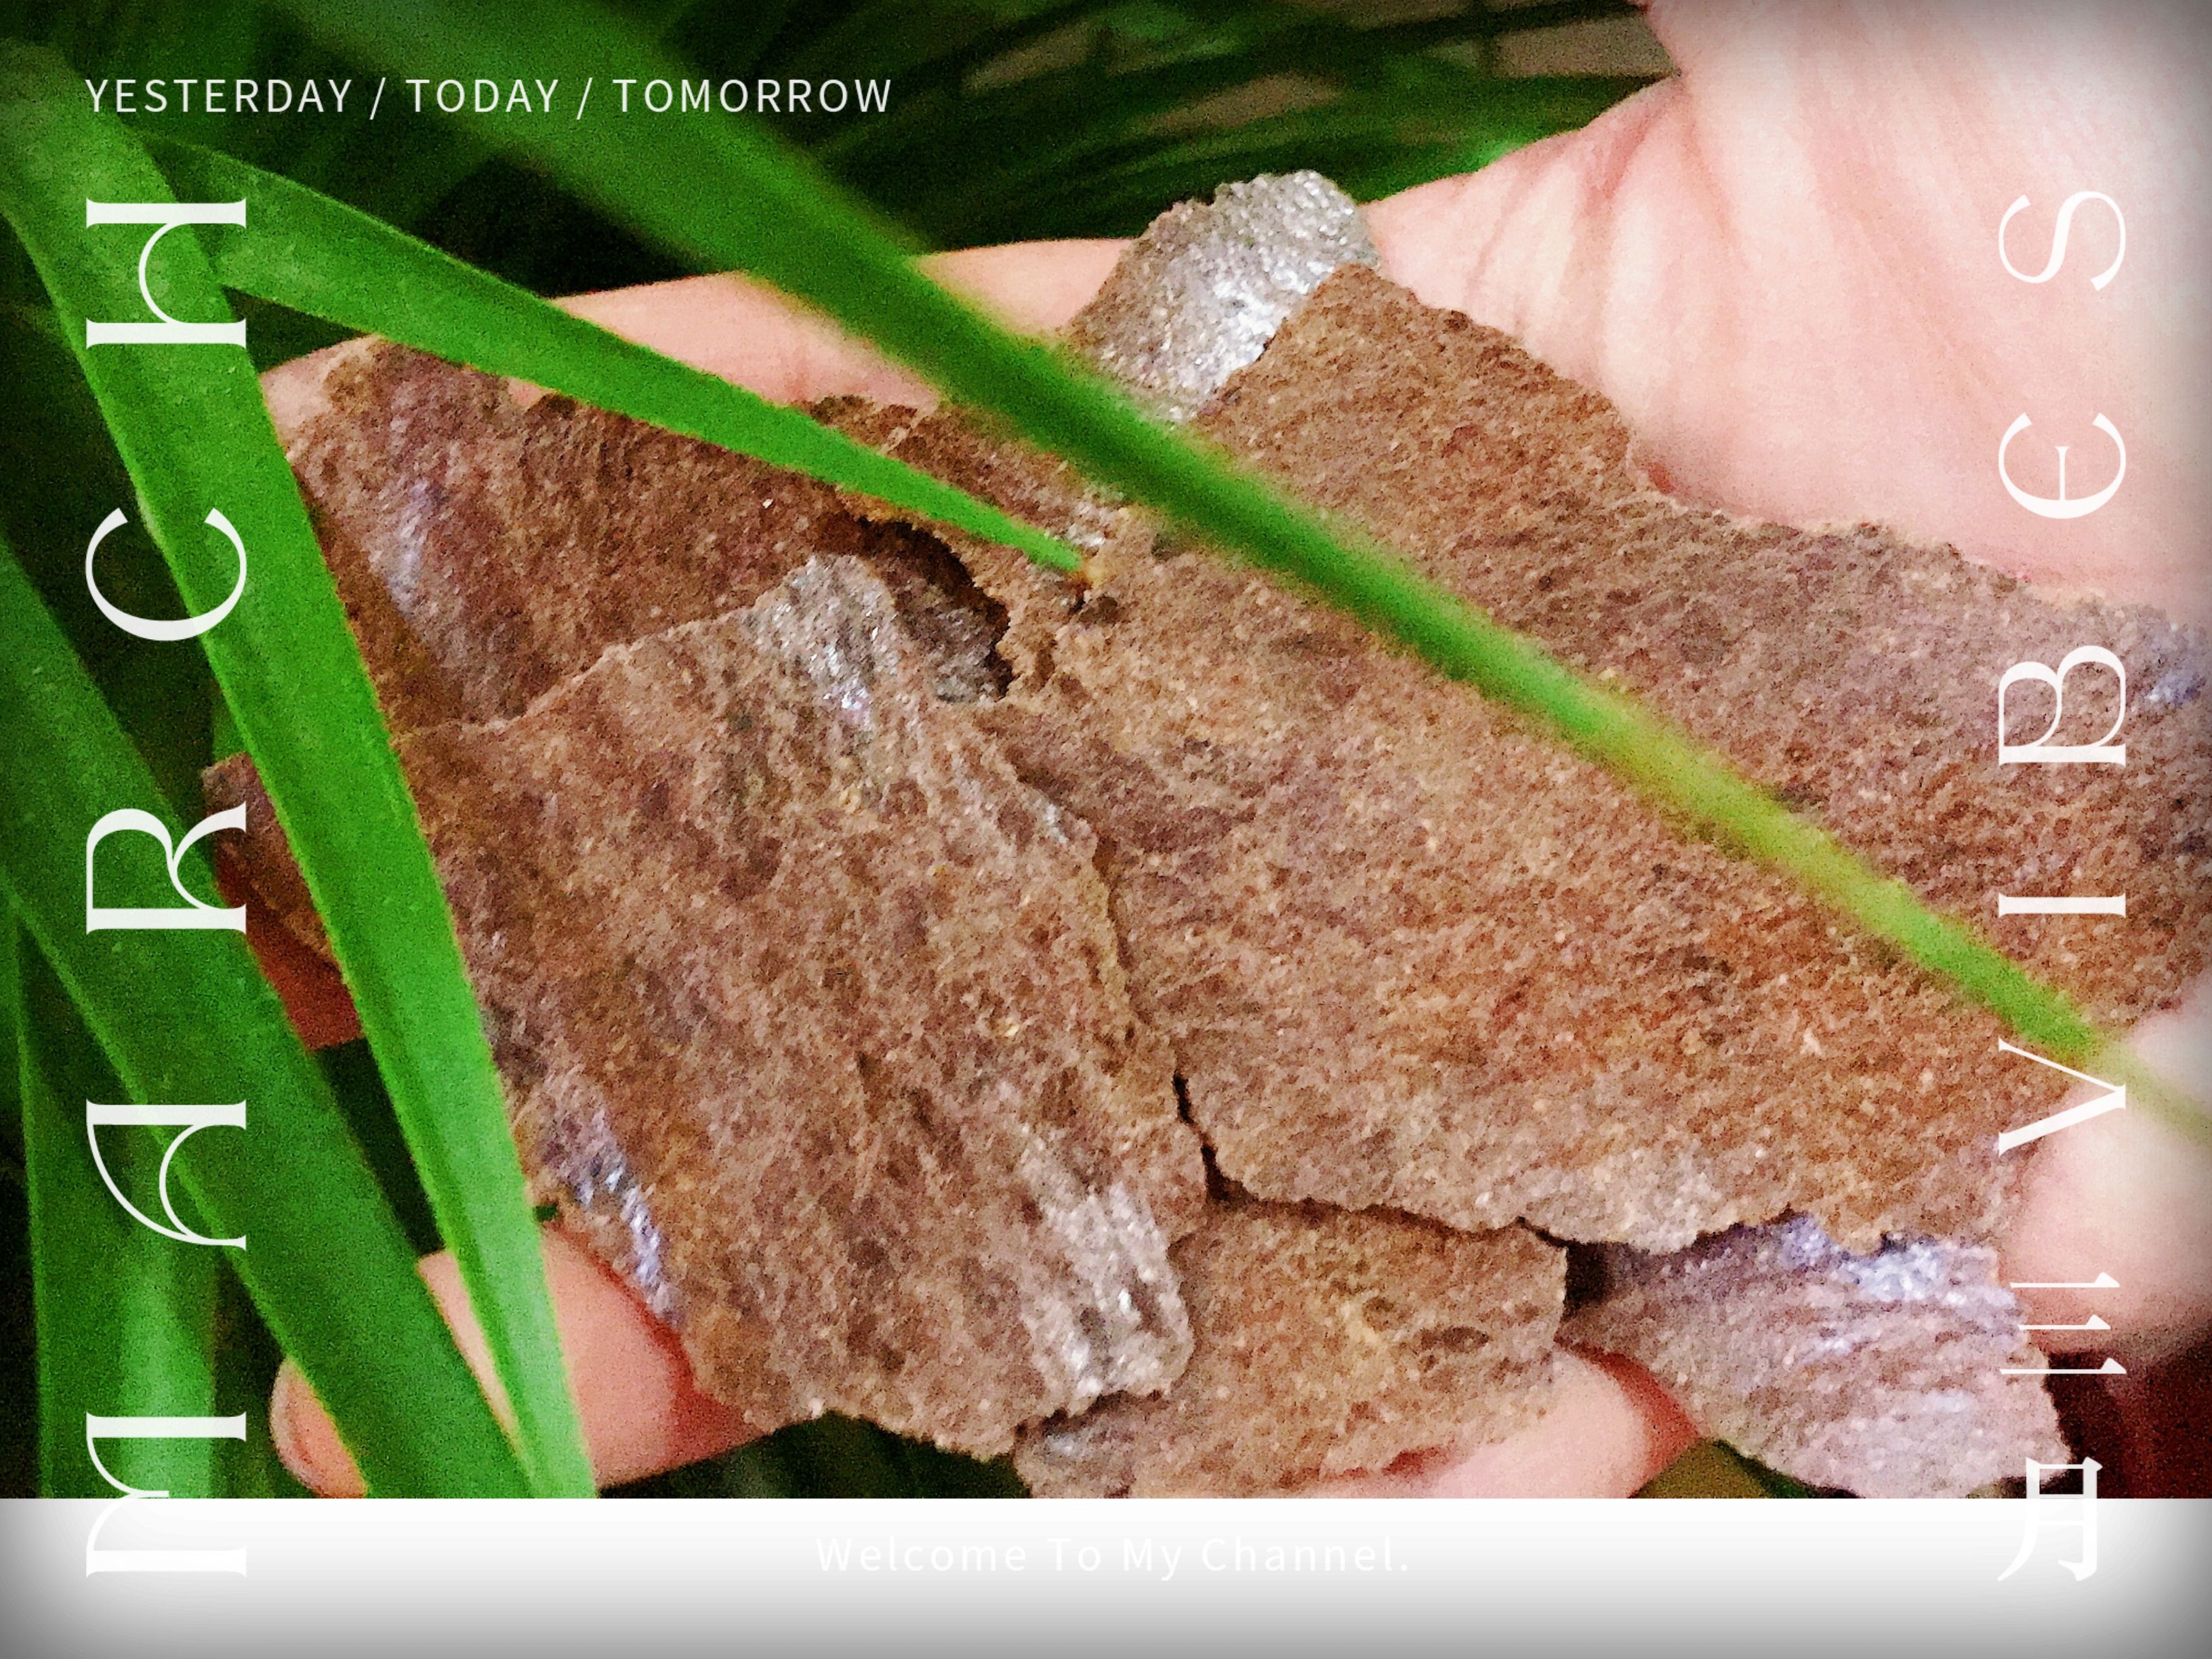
{"x":184,"y":1016}
{"x":834,"y":1457}
{"x":1712,"y":1468}
{"x":125,"y":1318}
{"x":1008,"y":119}
{"x":193,"y":433}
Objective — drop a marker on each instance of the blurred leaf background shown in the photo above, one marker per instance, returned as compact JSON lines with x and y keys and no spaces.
{"x":1007,"y":119}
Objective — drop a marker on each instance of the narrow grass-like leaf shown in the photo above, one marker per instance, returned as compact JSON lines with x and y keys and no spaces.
{"x":725,"y":193}
{"x":187,"y":1019}
{"x":315,"y":255}
{"x":968,"y":151}
{"x":59,"y":475}
{"x":247,"y":1358}
{"x":125,"y":1318}
{"x":835,"y":1456}
{"x":19,"y":1380}
{"x":11,"y":1027}
{"x":192,"y":428}
{"x":350,"y":1070}
{"x":1369,"y":151}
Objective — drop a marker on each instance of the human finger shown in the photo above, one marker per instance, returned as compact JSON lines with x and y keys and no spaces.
{"x":1608,"y":1430}
{"x":1782,"y":265}
{"x":2127,"y":1194}
{"x":750,"y":333}
{"x":640,"y":1409}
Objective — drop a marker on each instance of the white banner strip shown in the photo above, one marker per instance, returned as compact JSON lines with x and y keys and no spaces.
{"x":891,"y":1577}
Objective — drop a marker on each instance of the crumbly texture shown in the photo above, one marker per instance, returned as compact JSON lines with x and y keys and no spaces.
{"x":1030,"y":603}
{"x":576,"y":937}
{"x":1480,"y":992}
{"x":1409,"y":954}
{"x":1883,"y":1374}
{"x":815,"y":872}
{"x":1327,"y":1341}
{"x":810,"y":1013}
{"x":486,"y":550}
{"x":1853,"y":673}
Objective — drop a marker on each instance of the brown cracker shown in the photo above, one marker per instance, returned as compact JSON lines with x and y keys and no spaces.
{"x":486,"y":550}
{"x":810,"y":1012}
{"x":1325,"y":1341}
{"x":1883,"y":1374}
{"x":1409,"y":954}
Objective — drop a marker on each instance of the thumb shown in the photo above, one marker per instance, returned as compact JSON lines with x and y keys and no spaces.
{"x":2130,"y":1195}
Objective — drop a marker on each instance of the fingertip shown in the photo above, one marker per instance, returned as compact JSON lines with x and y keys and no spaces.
{"x":2127,"y":1194}
{"x":1033,"y":288}
{"x":305,"y":1439}
{"x":1667,"y":1429}
{"x":1608,"y":1430}
{"x":641,"y":1413}
{"x":640,"y":1410}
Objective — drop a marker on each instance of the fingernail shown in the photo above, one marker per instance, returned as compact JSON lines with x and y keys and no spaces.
{"x":307,"y":1440}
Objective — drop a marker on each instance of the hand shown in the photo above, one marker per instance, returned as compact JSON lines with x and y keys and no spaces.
{"x":1783,"y":267}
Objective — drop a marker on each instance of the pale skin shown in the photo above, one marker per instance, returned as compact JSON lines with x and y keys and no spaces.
{"x":1782,"y":266}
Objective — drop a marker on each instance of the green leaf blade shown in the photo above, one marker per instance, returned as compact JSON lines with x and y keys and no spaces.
{"x":315,"y":255}
{"x":194,"y":435}
{"x":125,"y":1318}
{"x":187,"y":1018}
